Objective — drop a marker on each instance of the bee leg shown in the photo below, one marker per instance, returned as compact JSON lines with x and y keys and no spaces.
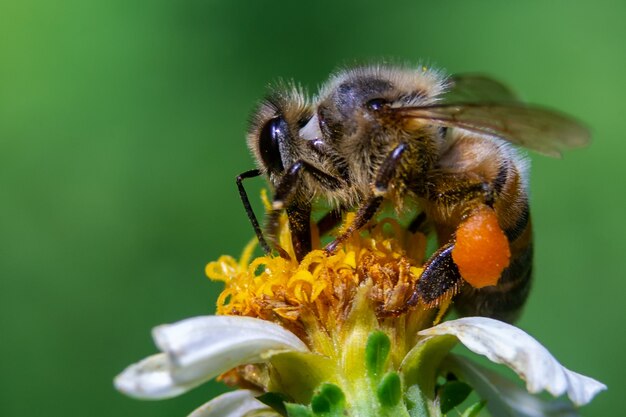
{"x":388,"y":168}
{"x":272,"y":224}
{"x":441,"y":278}
{"x":298,"y":213}
{"x":418,"y":224}
{"x":299,"y":216}
{"x":288,"y":185}
{"x":385,"y":175}
{"x":248,"y":207}
{"x":363,"y":215}
{"x":329,"y":221}
{"x":300,"y":226}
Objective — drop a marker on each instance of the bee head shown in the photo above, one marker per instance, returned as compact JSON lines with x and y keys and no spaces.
{"x":273,"y":129}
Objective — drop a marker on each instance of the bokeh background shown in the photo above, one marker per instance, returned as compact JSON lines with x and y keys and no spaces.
{"x":122,"y":129}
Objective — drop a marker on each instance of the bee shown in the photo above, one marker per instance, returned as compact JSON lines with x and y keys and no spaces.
{"x":419,"y":139}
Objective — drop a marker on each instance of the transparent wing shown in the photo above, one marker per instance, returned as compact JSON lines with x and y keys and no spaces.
{"x":544,"y":131}
{"x":476,"y":88}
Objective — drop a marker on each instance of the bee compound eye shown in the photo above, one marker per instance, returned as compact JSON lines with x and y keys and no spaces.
{"x":377,"y":104}
{"x":269,"y":143}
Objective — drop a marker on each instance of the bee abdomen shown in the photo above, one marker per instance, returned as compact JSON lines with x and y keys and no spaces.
{"x":519,"y":227}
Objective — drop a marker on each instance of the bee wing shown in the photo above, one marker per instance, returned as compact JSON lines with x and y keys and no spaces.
{"x":541,"y":130}
{"x":476,"y":88}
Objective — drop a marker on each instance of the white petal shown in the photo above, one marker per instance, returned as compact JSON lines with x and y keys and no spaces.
{"x":201,"y":348}
{"x":506,"y":344}
{"x":232,"y":404}
{"x":149,"y":379}
{"x":504,"y":398}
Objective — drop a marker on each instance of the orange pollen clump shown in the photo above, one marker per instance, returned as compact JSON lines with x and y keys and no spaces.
{"x":481,"y":251}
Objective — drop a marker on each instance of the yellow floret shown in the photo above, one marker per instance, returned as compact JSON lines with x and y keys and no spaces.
{"x":320,"y":291}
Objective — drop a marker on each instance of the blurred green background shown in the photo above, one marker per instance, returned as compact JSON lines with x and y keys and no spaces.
{"x":122,"y":129}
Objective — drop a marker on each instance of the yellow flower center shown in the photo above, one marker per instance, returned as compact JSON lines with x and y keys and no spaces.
{"x":315,"y":298}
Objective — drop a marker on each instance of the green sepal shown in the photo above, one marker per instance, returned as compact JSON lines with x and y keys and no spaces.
{"x":376,"y":353}
{"x":474,"y":409}
{"x":298,"y":410}
{"x":421,"y":365}
{"x":329,"y":400}
{"x":389,"y":391}
{"x":452,"y":394}
{"x":298,"y":374}
{"x":275,"y":400}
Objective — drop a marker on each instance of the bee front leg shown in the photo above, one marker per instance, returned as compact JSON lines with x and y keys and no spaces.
{"x":248,"y":207}
{"x":368,"y":209}
{"x":288,"y":184}
{"x":298,"y":209}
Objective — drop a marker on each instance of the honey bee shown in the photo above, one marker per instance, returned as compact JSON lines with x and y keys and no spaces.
{"x":418,"y":139}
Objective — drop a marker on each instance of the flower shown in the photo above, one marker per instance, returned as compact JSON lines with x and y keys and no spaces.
{"x":339,"y":334}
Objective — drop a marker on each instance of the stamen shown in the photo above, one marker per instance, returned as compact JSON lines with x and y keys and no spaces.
{"x":386,"y":257}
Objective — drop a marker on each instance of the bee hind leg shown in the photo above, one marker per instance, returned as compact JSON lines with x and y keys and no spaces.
{"x":440,"y":279}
